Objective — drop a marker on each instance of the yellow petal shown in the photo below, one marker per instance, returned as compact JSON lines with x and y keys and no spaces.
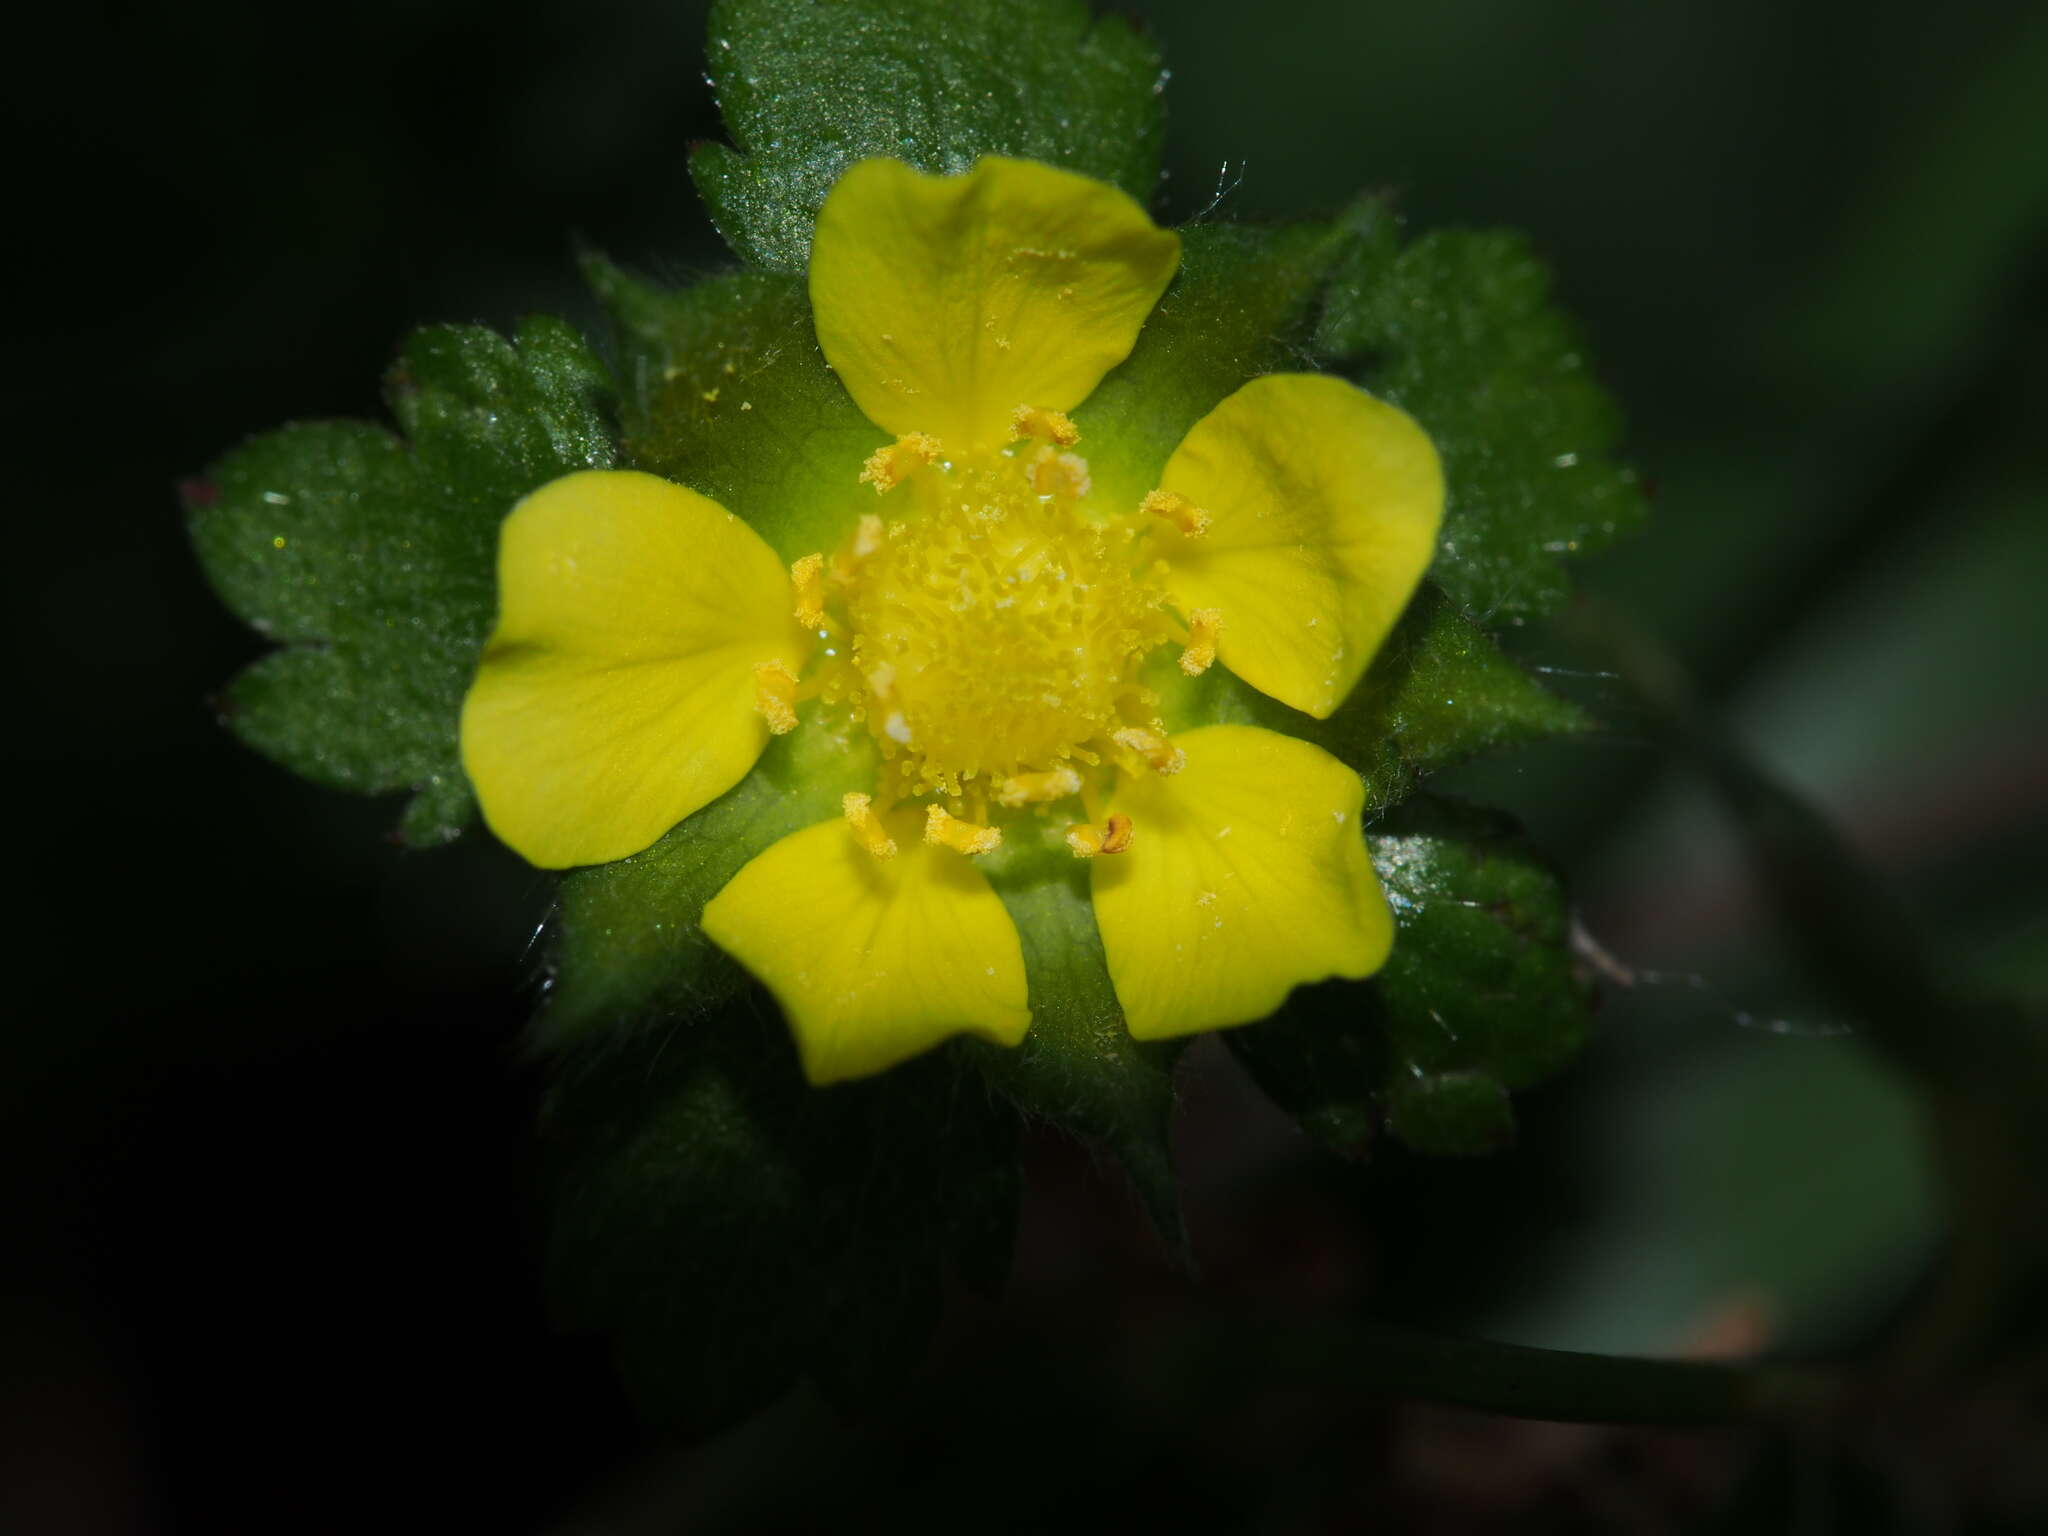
{"x":617,"y":694}
{"x":946,"y":302}
{"x":874,"y":960}
{"x":1323,"y":508}
{"x":1246,"y":877}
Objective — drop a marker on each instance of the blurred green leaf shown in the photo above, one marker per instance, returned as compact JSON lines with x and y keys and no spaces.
{"x":732,"y":1229}
{"x":372,"y":558}
{"x":1480,"y":996}
{"x":808,"y":87}
{"x":1458,"y":329}
{"x":1451,"y":1114}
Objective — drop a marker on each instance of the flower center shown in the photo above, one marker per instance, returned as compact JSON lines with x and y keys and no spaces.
{"x":997,"y":632}
{"x":990,"y":636}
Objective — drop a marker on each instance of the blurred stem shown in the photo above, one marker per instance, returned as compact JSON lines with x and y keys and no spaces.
{"x":1552,"y":1384}
{"x":1976,"y":430}
{"x":1980,"y":1067}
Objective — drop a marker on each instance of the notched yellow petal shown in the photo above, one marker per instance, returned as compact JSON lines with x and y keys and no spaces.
{"x":1204,"y":625}
{"x":1327,"y":504}
{"x":808,"y":577}
{"x":873,"y":960}
{"x":616,"y":695}
{"x":1152,"y":747}
{"x":859,"y":810}
{"x":943,"y":301}
{"x":1038,"y":788}
{"x":1251,"y":879}
{"x":1113,"y":836}
{"x":1054,"y":427}
{"x":889,"y":467}
{"x":775,"y":696}
{"x":1177,"y":510}
{"x":948,"y":830}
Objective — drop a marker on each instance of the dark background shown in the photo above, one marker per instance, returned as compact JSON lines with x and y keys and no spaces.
{"x":264,"y":1138}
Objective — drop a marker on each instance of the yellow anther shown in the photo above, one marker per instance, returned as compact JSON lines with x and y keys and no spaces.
{"x":1054,"y":473}
{"x":808,"y":577}
{"x":941,"y":826}
{"x":1204,"y":625}
{"x":1160,"y":755}
{"x":1038,"y":788}
{"x":775,"y":696}
{"x":1177,"y":510}
{"x":1049,"y":426}
{"x":1113,"y":836}
{"x":887,"y":467}
{"x":859,"y":810}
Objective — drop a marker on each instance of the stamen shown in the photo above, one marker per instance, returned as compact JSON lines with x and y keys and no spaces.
{"x":940,"y":826}
{"x":887,"y":467}
{"x":775,"y":696}
{"x":807,"y":576}
{"x":848,"y":559}
{"x":1113,"y":836}
{"x":1160,"y":755}
{"x":1204,"y":625}
{"x":1059,"y":474}
{"x":1050,"y":426}
{"x":859,"y":810}
{"x":1038,"y":788}
{"x":1177,"y":510}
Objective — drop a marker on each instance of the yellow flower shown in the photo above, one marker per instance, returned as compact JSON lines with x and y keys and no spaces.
{"x":986,"y":634}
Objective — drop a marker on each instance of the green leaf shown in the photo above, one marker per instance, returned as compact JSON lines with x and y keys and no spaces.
{"x":372,"y":558}
{"x":1438,"y":692}
{"x":732,"y":1229}
{"x":1079,"y":1068}
{"x":1482,"y":976}
{"x":1244,"y":303}
{"x":1451,"y":1114}
{"x":1481,"y":995}
{"x":1458,"y":330}
{"x":627,"y":949}
{"x":727,"y":393}
{"x":810,"y":86}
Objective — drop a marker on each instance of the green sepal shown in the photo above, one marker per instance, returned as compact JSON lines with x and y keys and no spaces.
{"x":1458,"y":329}
{"x":627,"y":950}
{"x":727,"y":392}
{"x":372,"y":557}
{"x":1439,"y":691}
{"x":732,"y":1229}
{"x":1245,"y":302}
{"x":1481,"y":996}
{"x":808,"y":87}
{"x":1079,"y":1068}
